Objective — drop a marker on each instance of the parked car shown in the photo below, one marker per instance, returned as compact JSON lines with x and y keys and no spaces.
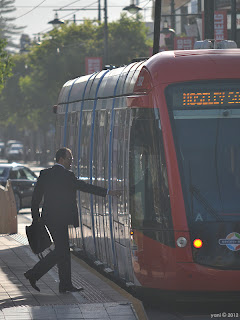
{"x":23,"y":182}
{"x":2,"y":149}
{"x":15,"y":153}
{"x":9,"y":144}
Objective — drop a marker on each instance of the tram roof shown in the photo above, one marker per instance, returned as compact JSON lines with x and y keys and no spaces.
{"x":193,"y":65}
{"x":106,"y":83}
{"x":165,"y":67}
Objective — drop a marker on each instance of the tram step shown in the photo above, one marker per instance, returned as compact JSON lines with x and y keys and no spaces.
{"x":129,"y":284}
{"x":108,"y":270}
{"x":98,"y":263}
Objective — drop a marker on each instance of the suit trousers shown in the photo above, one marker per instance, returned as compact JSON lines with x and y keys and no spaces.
{"x":60,"y":256}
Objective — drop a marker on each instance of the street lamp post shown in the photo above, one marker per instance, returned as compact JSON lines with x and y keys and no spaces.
{"x":132,"y":8}
{"x":57,"y":21}
{"x":234,"y":21}
{"x":157,"y":22}
{"x":105,"y":33}
{"x":169,"y":35}
{"x":208,"y":19}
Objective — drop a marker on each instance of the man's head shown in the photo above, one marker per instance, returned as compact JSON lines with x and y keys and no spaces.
{"x":64,"y":157}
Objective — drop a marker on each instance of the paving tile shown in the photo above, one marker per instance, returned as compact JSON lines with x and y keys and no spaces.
{"x":70,"y":316}
{"x":95,"y":315}
{"x":17,"y":316}
{"x":97,"y":319}
{"x":123,"y":310}
{"x":127,"y":317}
{"x":92,"y":307}
{"x":43,"y":317}
{"x":43,"y":309}
{"x":23,"y":302}
{"x":59,"y":309}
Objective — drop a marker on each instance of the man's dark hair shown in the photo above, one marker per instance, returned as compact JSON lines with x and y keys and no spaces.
{"x":61,"y":153}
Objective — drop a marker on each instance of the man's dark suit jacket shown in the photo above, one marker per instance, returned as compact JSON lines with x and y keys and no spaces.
{"x":58,"y":186}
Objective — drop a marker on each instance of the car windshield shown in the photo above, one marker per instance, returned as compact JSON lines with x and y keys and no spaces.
{"x":208,"y":147}
{"x":16,"y":147}
{"x":4,"y":172}
{"x":22,"y":173}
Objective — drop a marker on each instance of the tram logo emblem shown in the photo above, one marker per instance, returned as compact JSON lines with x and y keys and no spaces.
{"x":232,"y":241}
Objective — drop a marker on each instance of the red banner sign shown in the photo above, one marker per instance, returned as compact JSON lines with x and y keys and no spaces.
{"x":220,"y":25}
{"x":93,"y":64}
{"x":183,"y":43}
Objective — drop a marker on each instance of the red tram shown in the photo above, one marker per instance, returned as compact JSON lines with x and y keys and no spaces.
{"x":166,"y":131}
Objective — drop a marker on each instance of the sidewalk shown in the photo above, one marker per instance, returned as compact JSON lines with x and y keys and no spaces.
{"x":101,"y":299}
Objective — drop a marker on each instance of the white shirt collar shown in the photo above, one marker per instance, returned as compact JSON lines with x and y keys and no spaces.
{"x":59,"y":164}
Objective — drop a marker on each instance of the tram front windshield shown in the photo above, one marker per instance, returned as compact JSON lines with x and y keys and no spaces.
{"x":206,"y":129}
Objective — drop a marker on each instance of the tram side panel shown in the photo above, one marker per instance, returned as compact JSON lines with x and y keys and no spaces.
{"x":71,"y":142}
{"x":98,"y":242}
{"x":121,"y":220}
{"x":100,"y":168}
{"x":112,"y":248}
{"x":85,"y":198}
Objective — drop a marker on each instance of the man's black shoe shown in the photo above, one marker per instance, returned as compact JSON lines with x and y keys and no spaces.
{"x":70,"y":289}
{"x":31,"y":280}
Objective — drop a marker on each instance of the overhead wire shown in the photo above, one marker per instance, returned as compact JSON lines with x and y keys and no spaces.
{"x":30,"y":10}
{"x":67,"y":5}
{"x":77,"y":9}
{"x":74,"y":11}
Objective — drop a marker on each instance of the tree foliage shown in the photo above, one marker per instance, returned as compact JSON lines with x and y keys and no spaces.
{"x":7,"y":27}
{"x":40,"y":74}
{"x":5,"y":64}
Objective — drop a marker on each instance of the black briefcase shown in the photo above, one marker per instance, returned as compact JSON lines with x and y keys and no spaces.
{"x":38,"y":237}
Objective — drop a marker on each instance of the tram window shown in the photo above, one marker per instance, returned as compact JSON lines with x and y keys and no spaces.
{"x":117,"y":160}
{"x":84,"y":165}
{"x":100,"y":156}
{"x":72,"y":136}
{"x":59,"y":130}
{"x":149,"y":194}
{"x":95,"y":171}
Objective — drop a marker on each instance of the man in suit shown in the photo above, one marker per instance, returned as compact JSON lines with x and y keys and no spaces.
{"x":58,"y":186}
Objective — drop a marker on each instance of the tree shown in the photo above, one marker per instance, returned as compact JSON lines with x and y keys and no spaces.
{"x":7,"y":28}
{"x":60,"y":57}
{"x":5,"y":64}
{"x":127,"y":40}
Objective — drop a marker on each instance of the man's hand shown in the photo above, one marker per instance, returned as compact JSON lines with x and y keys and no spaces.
{"x":116,"y":193}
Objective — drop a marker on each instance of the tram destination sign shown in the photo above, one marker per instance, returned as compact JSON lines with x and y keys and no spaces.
{"x":207,"y":97}
{"x":216,"y":98}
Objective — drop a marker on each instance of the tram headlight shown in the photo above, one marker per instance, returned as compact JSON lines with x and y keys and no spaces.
{"x":181,"y":242}
{"x":197,"y":243}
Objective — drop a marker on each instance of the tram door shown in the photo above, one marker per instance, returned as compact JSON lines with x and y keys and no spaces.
{"x":143,"y":175}
{"x":148,"y":190}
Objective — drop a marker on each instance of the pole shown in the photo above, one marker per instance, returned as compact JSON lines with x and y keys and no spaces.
{"x":199,"y":6}
{"x":157,"y":22}
{"x":172,"y":15}
{"x":105,"y":33}
{"x":233,"y":21}
{"x":99,"y":11}
{"x":209,"y":19}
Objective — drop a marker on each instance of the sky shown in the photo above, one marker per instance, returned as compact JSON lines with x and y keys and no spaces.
{"x":34,"y":15}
